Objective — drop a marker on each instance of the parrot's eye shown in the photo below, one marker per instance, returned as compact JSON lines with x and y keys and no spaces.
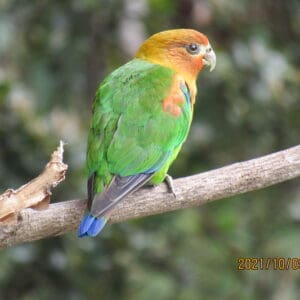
{"x":193,"y":49}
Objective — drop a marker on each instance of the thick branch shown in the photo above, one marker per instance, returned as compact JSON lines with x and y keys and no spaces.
{"x":190,"y":191}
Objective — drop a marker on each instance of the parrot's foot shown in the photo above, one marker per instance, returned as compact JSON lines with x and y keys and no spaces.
{"x":170,"y":184}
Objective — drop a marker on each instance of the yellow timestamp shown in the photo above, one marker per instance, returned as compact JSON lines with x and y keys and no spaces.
{"x":268,"y":263}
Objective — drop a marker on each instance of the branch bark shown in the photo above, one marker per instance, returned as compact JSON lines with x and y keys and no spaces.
{"x":60,"y":218}
{"x":37,"y":192}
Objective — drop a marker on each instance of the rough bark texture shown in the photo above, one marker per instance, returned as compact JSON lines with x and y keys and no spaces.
{"x":191,"y":191}
{"x":35,"y":193}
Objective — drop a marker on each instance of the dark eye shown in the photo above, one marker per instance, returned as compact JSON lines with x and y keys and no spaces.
{"x":193,"y":49}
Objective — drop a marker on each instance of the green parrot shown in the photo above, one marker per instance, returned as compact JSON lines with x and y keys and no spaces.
{"x":142,"y":114}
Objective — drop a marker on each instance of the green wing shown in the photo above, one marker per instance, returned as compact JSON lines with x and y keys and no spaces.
{"x":130,"y":133}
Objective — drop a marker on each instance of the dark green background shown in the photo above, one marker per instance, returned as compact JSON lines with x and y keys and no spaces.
{"x":53,"y":54}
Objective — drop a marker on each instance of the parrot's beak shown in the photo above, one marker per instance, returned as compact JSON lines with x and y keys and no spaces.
{"x":209,"y":58}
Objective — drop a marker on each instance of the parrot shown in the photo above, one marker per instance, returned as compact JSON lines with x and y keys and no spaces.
{"x":141,"y":116}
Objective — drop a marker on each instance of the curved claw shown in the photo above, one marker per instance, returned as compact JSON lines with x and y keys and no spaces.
{"x":170,"y":184}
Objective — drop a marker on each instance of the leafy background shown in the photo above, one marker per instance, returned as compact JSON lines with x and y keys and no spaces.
{"x":53,"y":54}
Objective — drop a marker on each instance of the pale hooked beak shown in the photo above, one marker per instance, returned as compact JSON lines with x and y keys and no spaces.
{"x":209,"y":58}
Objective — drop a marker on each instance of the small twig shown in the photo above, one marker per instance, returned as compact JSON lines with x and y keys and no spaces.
{"x":37,"y":192}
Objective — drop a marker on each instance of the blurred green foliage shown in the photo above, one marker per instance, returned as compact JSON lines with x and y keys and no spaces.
{"x":53,"y":54}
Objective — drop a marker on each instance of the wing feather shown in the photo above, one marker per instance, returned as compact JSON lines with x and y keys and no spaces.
{"x":131,"y":136}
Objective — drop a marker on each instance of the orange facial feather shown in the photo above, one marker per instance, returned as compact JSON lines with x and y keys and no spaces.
{"x":168,"y":48}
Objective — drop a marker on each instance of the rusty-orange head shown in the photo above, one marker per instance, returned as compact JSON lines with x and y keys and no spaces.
{"x":185,"y":51}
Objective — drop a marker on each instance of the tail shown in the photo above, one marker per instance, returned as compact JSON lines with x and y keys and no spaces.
{"x":91,"y":226}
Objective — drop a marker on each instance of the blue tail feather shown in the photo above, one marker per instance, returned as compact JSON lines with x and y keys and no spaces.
{"x":91,"y":226}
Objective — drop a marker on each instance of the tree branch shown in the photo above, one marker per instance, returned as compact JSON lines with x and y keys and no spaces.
{"x":60,"y":218}
{"x":35,"y":193}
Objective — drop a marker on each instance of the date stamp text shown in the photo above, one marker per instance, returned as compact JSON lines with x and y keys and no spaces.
{"x":268,"y":263}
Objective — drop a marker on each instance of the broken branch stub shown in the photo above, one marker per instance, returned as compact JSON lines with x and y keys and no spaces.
{"x":36,"y":193}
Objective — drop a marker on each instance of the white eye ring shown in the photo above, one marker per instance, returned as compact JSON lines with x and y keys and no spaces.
{"x":193,"y":48}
